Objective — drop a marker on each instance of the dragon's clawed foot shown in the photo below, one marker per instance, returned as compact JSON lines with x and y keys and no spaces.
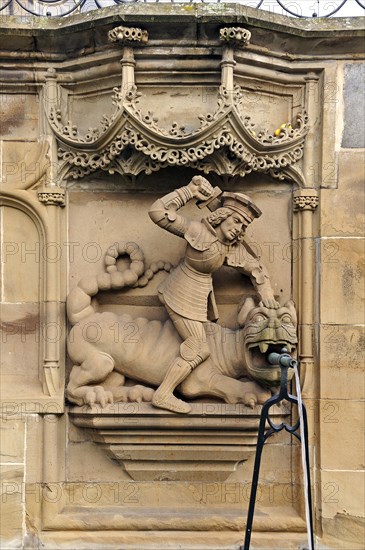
{"x":254,"y":395}
{"x":136,"y":393}
{"x":98,"y":395}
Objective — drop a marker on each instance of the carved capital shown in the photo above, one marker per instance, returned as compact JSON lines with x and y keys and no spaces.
{"x":306,"y":199}
{"x":128,"y":35}
{"x":235,"y":36}
{"x":52,"y":196}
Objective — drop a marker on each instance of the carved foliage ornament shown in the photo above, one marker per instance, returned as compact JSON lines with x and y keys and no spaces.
{"x":306,"y":202}
{"x":52,"y":196}
{"x":127,"y":35}
{"x":235,"y":35}
{"x":131,"y":141}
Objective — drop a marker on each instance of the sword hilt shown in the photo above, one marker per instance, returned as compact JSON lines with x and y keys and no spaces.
{"x":213,"y":202}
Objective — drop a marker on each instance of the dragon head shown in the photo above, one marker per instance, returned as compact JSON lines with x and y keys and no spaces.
{"x":264,"y":331}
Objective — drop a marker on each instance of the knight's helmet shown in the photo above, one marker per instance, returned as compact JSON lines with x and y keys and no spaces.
{"x":242,"y":204}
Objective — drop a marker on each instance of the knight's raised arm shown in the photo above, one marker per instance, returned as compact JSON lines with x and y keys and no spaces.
{"x":164,"y":213}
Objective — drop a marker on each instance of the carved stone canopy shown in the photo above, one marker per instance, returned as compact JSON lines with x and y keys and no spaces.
{"x":131,"y":141}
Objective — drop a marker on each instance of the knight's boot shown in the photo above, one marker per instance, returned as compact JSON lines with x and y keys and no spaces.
{"x":164,"y":397}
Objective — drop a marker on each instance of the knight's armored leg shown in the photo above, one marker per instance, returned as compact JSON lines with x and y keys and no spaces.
{"x":163,"y":396}
{"x":193,"y":351}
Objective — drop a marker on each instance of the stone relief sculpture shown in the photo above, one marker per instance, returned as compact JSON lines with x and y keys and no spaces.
{"x":190,"y":351}
{"x":188,"y":293}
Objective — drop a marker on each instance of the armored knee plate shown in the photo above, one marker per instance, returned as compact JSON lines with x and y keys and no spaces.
{"x":194,"y":351}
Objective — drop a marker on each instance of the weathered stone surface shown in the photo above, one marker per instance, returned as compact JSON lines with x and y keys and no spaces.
{"x":343,"y":532}
{"x":21,"y":336}
{"x":34,"y":442}
{"x":19,"y":115}
{"x":24,"y":163}
{"x":11,"y":506}
{"x":342,"y":281}
{"x":24,"y":333}
{"x":23,"y":254}
{"x":308,"y":32}
{"x":342,"y":420}
{"x":89,"y":463}
{"x":342,"y":361}
{"x":12,"y":439}
{"x":354,"y":99}
{"x":342,"y":209}
{"x":186,"y":540}
{"x":343,"y":494}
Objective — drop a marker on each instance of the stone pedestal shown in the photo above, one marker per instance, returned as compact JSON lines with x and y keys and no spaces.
{"x":155,"y":445}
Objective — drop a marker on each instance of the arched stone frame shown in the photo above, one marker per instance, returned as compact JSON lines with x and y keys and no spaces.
{"x":51,"y":301}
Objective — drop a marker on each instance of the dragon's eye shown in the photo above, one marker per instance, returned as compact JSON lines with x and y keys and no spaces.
{"x":286,"y":319}
{"x":258,"y":318}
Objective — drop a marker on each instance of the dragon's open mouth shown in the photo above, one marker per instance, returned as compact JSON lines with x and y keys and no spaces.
{"x":259,"y":351}
{"x":258,"y":364}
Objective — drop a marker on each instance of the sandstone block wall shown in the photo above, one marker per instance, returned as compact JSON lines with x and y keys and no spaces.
{"x":59,"y":488}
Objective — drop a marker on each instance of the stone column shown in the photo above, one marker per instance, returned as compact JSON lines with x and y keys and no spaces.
{"x":52,"y":196}
{"x":305,"y":203}
{"x":231,"y":37}
{"x":128,"y":37}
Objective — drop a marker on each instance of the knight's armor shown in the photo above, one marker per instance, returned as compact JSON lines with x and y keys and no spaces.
{"x":188,"y":290}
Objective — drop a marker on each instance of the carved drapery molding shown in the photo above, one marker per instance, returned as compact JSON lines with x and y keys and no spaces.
{"x":226,"y":141}
{"x":132,"y":142}
{"x":52,"y":196}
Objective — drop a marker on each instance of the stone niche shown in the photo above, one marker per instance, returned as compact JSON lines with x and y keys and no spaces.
{"x":180,"y":472}
{"x":176,"y":472}
{"x":121,"y":114}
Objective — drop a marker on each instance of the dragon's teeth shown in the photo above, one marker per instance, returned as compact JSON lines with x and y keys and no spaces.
{"x":263,"y":347}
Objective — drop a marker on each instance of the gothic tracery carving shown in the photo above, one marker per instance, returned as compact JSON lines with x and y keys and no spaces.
{"x":249,"y":150}
{"x":132,"y":141}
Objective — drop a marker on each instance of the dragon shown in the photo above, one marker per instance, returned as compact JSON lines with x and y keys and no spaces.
{"x":107,"y":349}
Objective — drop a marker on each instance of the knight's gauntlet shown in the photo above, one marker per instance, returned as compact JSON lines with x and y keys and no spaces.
{"x":163,"y":212}
{"x":267,"y":294}
{"x":261,"y":281}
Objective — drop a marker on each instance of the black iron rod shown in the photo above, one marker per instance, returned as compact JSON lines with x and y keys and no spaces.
{"x":255,"y":477}
{"x":309,"y":491}
{"x":262,"y":437}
